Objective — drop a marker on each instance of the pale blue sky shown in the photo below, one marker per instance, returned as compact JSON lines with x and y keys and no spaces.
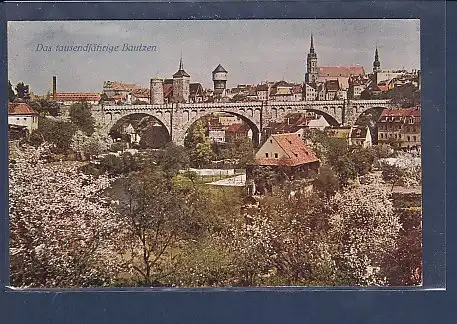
{"x":250,"y":50}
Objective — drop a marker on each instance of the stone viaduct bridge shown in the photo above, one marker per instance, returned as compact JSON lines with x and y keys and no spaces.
{"x":178,"y":117}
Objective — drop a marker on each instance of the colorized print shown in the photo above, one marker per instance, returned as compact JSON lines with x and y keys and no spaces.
{"x":214,"y":153}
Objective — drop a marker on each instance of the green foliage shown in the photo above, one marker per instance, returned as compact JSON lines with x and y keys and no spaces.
{"x":11,"y":94}
{"x":173,"y":159}
{"x":326,"y":181}
{"x":56,"y":132}
{"x":81,"y":116}
{"x":198,"y":145}
{"x":22,"y":91}
{"x":118,"y":146}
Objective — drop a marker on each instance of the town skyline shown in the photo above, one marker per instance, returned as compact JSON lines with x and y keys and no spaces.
{"x":267,"y":56}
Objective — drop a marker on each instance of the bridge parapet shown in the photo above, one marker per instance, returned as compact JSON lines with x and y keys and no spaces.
{"x":137,"y":107}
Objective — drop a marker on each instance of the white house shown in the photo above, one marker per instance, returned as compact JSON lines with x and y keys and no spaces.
{"x":21,"y":114}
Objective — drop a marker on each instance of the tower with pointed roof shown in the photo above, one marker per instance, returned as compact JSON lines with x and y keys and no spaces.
{"x":311,"y":64}
{"x":181,"y":82}
{"x":219,"y":80}
{"x":376,"y":63}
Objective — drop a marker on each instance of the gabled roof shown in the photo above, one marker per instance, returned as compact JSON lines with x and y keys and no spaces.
{"x":262,"y":87}
{"x":340,"y":71}
{"x":294,"y":148}
{"x":20,"y":108}
{"x":219,"y":68}
{"x":180,"y":74}
{"x":401,"y":112}
{"x":238,"y":128}
{"x":195,"y":88}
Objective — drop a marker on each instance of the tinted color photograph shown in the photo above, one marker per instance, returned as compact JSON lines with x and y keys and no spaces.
{"x":215,"y":153}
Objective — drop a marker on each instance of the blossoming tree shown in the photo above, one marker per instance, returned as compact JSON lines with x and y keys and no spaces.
{"x":62,"y":232}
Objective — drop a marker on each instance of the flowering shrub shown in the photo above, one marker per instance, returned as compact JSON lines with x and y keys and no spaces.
{"x":62,"y":232}
{"x":367,"y":229}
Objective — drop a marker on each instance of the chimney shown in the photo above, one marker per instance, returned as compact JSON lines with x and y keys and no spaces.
{"x":54,"y":87}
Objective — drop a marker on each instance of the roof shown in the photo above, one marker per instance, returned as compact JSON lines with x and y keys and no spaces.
{"x":359,"y":132}
{"x":332,"y":85}
{"x":20,"y":108}
{"x":116,"y":85}
{"x":167,"y":90}
{"x":341,"y":71}
{"x":297,"y":89}
{"x":77,"y":96}
{"x":141,"y":93}
{"x":296,"y":150}
{"x":195,"y":88}
{"x":281,"y":83}
{"x":401,"y":112}
{"x":219,"y":68}
{"x":181,"y":73}
{"x":262,"y":87}
{"x":237,"y":128}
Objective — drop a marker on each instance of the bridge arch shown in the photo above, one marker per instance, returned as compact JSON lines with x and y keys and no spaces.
{"x":247,"y":116}
{"x":164,"y":132}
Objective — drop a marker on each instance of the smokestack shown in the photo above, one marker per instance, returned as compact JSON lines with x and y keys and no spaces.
{"x":54,"y":87}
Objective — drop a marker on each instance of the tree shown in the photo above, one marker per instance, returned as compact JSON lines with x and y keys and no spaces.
{"x":199,"y":145}
{"x":365,"y":227}
{"x":242,"y":149}
{"x":63,"y":233}
{"x":89,"y":145}
{"x":22,"y":91}
{"x":173,"y":159}
{"x":159,"y":217}
{"x":11,"y":94}
{"x":326,"y":181}
{"x":58,"y":133}
{"x":363,"y":159}
{"x":81,"y":116}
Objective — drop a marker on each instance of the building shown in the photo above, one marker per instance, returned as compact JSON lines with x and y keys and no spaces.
{"x":196,"y":93}
{"x":69,"y":98}
{"x":376,"y":63}
{"x":319,"y":123}
{"x":22,"y":115}
{"x":353,"y":135}
{"x":219,"y":80}
{"x":310,"y":91}
{"x":340,"y":73}
{"x":286,"y":154}
{"x":156,"y":90}
{"x":239,"y":130}
{"x":400,"y":127}
{"x":181,"y":85}
{"x":263,"y":92}
{"x":312,"y":73}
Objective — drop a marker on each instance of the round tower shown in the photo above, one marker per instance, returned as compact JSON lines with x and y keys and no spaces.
{"x":219,"y":80}
{"x":156,"y":91}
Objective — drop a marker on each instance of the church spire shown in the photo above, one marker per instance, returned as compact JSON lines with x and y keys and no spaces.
{"x":311,"y":49}
{"x":376,"y":63}
{"x":181,"y":67}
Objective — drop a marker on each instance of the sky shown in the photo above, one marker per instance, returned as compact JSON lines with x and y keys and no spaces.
{"x":251,"y":51}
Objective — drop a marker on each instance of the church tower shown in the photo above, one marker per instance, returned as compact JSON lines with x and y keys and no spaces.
{"x":311,"y":64}
{"x":376,"y":63}
{"x":181,"y":81}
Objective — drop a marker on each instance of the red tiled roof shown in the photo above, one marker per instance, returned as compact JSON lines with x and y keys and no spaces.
{"x":77,"y":96}
{"x":295,"y":149}
{"x":359,"y":132}
{"x":298,"y":89}
{"x":167,"y":90}
{"x":237,"y":128}
{"x":343,"y":71}
{"x":141,"y":92}
{"x":401,"y":112}
{"x":20,"y":109}
{"x":116,"y":85}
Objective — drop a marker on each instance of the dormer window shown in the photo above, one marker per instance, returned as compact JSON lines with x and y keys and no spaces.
{"x":296,"y":155}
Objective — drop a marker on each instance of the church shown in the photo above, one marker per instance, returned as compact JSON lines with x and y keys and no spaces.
{"x":330,"y":82}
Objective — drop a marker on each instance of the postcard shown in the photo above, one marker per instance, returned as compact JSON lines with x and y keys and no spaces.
{"x":215,"y":153}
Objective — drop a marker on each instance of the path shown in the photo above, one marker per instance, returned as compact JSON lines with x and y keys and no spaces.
{"x":237,"y":181}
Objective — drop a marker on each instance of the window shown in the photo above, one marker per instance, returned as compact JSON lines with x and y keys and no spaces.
{"x":17,"y":118}
{"x":266,"y":155}
{"x":408,"y":138}
{"x":276,"y":155}
{"x":296,"y":155}
{"x":271,"y":141}
{"x":414,"y":138}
